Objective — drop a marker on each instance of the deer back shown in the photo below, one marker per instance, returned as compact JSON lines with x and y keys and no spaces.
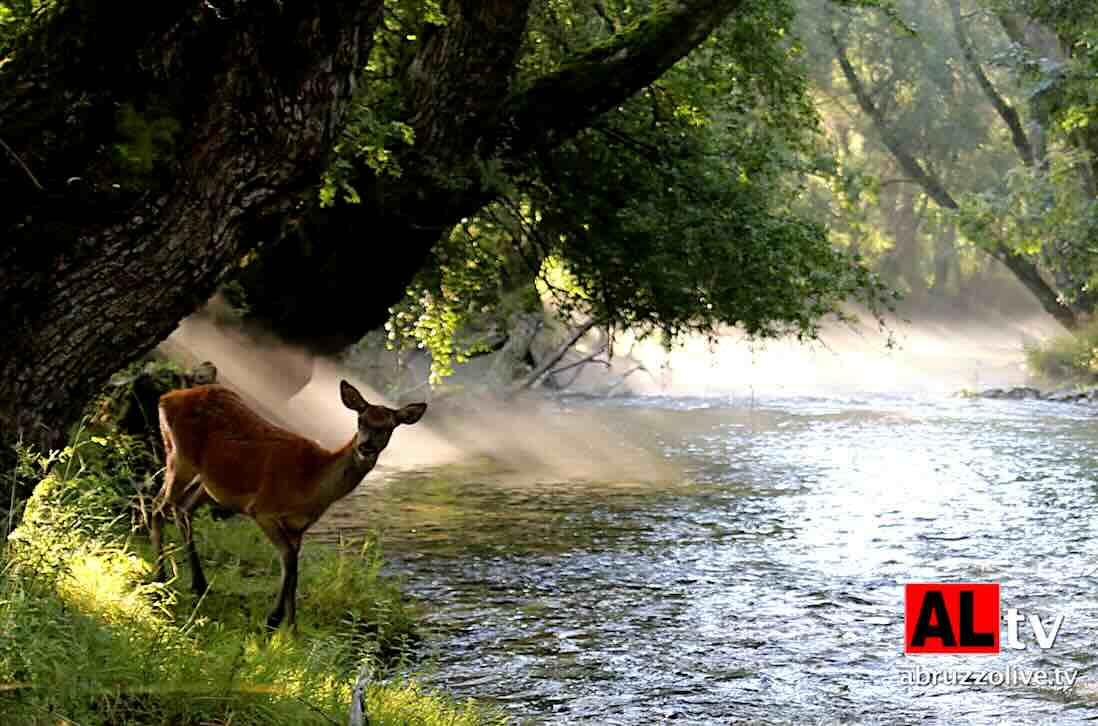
{"x":244,"y":460}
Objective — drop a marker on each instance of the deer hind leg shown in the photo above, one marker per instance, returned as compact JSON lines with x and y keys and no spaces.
{"x":288,"y":543}
{"x":176,"y":478}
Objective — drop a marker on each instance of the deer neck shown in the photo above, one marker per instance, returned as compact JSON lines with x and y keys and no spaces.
{"x":346,"y":472}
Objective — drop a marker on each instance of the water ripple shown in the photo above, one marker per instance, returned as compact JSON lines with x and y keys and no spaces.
{"x":768,"y":587}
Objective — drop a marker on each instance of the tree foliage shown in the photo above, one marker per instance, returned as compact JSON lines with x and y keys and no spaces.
{"x":672,"y":214}
{"x":319,"y":151}
{"x":1047,"y":206}
{"x":944,"y":115}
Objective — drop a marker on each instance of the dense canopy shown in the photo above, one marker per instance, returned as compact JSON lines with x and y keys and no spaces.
{"x":157,"y":153}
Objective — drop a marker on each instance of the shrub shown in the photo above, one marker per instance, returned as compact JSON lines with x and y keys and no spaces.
{"x":1067,"y":357}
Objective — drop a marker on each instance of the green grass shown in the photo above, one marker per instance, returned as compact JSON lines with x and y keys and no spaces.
{"x":1070,"y":358}
{"x":87,"y":637}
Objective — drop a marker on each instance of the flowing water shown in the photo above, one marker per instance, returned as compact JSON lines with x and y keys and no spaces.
{"x":765,"y":584}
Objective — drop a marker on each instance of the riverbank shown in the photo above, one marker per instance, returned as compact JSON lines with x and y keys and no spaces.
{"x":87,"y":637}
{"x":1084,"y":394}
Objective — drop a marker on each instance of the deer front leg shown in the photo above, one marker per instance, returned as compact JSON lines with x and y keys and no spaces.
{"x":287,"y":550}
{"x":194,"y":499}
{"x":294,"y":538}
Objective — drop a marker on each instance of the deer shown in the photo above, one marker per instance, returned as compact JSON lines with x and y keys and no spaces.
{"x":217,"y":448}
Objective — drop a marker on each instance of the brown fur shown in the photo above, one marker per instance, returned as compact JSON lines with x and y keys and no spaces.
{"x":284,"y":481}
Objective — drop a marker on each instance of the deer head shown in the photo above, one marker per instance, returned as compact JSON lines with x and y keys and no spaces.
{"x":376,"y":423}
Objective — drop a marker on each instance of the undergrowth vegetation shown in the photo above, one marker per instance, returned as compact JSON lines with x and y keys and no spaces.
{"x":1070,"y":357}
{"x":87,"y":636}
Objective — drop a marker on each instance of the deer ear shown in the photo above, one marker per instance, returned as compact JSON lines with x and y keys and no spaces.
{"x":352,"y":399}
{"x":411,"y":413}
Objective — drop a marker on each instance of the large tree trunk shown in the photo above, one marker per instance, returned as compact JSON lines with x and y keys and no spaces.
{"x":311,"y":293}
{"x":1082,"y":307}
{"x":96,"y":275}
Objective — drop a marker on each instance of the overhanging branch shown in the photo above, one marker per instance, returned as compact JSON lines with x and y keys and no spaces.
{"x":557,"y":106}
{"x":551,"y":360}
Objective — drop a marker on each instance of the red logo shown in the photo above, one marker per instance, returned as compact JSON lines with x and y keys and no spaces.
{"x":951,"y":618}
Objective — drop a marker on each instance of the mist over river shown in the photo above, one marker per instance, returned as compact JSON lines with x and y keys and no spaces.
{"x":766,"y":585}
{"x":736,"y":552}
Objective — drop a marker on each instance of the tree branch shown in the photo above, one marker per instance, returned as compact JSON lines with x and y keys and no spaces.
{"x":579,"y":369}
{"x":631,"y":371}
{"x":465,"y":112}
{"x":1006,"y":112}
{"x":25,"y":168}
{"x":557,"y":106}
{"x":462,"y":74}
{"x":900,"y":180}
{"x":551,"y":360}
{"x":582,"y":361}
{"x":909,"y":163}
{"x":1026,"y":272}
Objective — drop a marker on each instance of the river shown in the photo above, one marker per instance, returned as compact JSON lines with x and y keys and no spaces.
{"x":723,"y":558}
{"x":765,"y":584}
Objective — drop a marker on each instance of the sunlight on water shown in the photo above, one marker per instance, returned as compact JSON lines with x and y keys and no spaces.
{"x":769,"y":586}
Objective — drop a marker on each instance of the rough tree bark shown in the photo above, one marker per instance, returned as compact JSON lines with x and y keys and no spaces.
{"x":308,"y":284}
{"x":94,"y":275}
